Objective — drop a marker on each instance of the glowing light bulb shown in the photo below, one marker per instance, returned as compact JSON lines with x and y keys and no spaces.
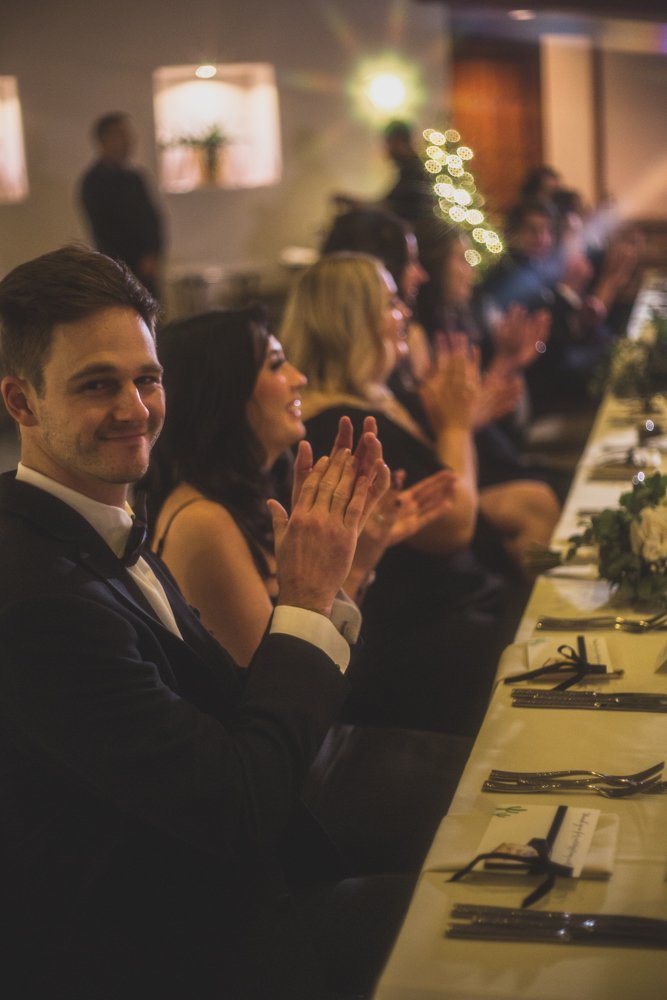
{"x":206,"y":72}
{"x":474,"y":217}
{"x":465,"y":152}
{"x":432,"y":166}
{"x":435,"y":153}
{"x":473,"y":257}
{"x":386,"y":91}
{"x":456,"y":213}
{"x":451,"y":135}
{"x":479,"y":235}
{"x":436,"y":137}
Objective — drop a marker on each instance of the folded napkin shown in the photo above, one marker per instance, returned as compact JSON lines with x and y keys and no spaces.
{"x":538,"y":650}
{"x":459,"y":838}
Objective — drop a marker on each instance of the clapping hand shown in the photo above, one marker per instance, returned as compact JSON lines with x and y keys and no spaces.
{"x":520,"y":337}
{"x":498,"y":395}
{"x":368,"y":455}
{"x":399,"y":515}
{"x":331,"y":502}
{"x":449,"y":393}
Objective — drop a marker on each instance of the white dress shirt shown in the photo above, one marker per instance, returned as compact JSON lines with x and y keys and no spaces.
{"x":113,"y":525}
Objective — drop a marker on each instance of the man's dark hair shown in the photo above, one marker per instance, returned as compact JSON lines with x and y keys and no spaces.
{"x":63,"y":286}
{"x":520,"y":212}
{"x":107,"y":122}
{"x":531,"y":186}
{"x":207,"y":440}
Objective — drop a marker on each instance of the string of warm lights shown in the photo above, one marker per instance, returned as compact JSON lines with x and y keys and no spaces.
{"x":457,"y":199}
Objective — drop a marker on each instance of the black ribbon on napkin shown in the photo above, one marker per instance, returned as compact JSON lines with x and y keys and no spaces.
{"x":538,"y":864}
{"x":574,"y":661}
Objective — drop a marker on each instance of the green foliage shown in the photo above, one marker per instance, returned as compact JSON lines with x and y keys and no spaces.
{"x":211,"y":138}
{"x":634,"y":579}
{"x":638,"y":368}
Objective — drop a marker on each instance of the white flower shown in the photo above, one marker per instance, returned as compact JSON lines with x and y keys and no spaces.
{"x":648,"y":534}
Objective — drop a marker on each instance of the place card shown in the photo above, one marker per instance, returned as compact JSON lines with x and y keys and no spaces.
{"x":456,"y":837}
{"x":514,"y":826}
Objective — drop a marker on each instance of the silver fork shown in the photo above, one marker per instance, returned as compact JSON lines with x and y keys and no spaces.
{"x":555,"y":623}
{"x":641,"y":624}
{"x":611,"y":779}
{"x":505,"y":923}
{"x":623,"y":792}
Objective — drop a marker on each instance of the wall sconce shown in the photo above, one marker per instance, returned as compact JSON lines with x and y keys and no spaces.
{"x":13,"y":173}
{"x":217,"y":126}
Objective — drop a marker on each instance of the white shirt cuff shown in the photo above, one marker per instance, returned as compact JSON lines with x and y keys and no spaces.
{"x":346,"y":616}
{"x":313,"y":628}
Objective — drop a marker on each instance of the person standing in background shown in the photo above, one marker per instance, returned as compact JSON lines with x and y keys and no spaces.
{"x":123,"y":218}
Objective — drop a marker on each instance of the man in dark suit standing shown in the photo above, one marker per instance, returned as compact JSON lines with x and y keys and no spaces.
{"x":149,"y":789}
{"x":124,"y":220}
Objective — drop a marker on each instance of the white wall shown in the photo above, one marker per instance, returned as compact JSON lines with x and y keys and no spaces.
{"x":632,"y":159}
{"x":80,"y":58}
{"x":567,"y":84}
{"x":635,"y":134}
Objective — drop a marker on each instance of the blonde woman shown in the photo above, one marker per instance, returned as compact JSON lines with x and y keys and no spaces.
{"x":435,"y":619}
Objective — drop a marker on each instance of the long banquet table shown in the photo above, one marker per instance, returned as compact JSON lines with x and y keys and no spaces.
{"x":424,"y":964}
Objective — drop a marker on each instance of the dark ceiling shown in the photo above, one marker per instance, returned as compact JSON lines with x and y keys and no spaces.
{"x":638,"y":10}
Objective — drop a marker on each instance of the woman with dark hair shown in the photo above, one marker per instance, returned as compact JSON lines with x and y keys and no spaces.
{"x":234,"y":413}
{"x":210,"y":476}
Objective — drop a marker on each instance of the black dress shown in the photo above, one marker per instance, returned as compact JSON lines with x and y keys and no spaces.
{"x":434,"y":625}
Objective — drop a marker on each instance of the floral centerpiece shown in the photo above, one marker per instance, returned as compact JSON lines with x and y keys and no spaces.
{"x":638,"y":368}
{"x":632,"y":542}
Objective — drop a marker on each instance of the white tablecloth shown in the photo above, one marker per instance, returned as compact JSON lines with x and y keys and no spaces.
{"x":424,"y":963}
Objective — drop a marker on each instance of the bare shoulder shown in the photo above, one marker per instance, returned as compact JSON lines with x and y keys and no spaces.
{"x":188,"y":518}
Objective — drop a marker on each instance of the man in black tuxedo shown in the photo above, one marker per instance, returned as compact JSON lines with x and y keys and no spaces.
{"x":149,"y":790}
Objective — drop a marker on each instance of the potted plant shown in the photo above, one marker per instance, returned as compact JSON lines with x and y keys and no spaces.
{"x":208,"y":145}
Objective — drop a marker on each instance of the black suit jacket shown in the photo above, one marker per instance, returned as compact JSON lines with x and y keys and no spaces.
{"x":145,"y":780}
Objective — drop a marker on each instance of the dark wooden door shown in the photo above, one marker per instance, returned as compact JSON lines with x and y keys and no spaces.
{"x":496,"y":108}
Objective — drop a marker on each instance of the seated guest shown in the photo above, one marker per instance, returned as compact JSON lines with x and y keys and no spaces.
{"x":540,"y":183}
{"x":538,"y":273}
{"x":150,"y":789}
{"x":389,"y":238}
{"x":221,"y":454}
{"x":434,"y":619}
{"x":512,"y":497}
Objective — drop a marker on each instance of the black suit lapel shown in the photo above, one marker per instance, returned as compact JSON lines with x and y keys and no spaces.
{"x":79,"y":539}
{"x":80,"y":542}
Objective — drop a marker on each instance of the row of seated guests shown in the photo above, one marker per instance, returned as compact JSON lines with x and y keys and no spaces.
{"x":576,"y":266}
{"x":562,"y":256}
{"x":436,"y":615}
{"x":153,"y":829}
